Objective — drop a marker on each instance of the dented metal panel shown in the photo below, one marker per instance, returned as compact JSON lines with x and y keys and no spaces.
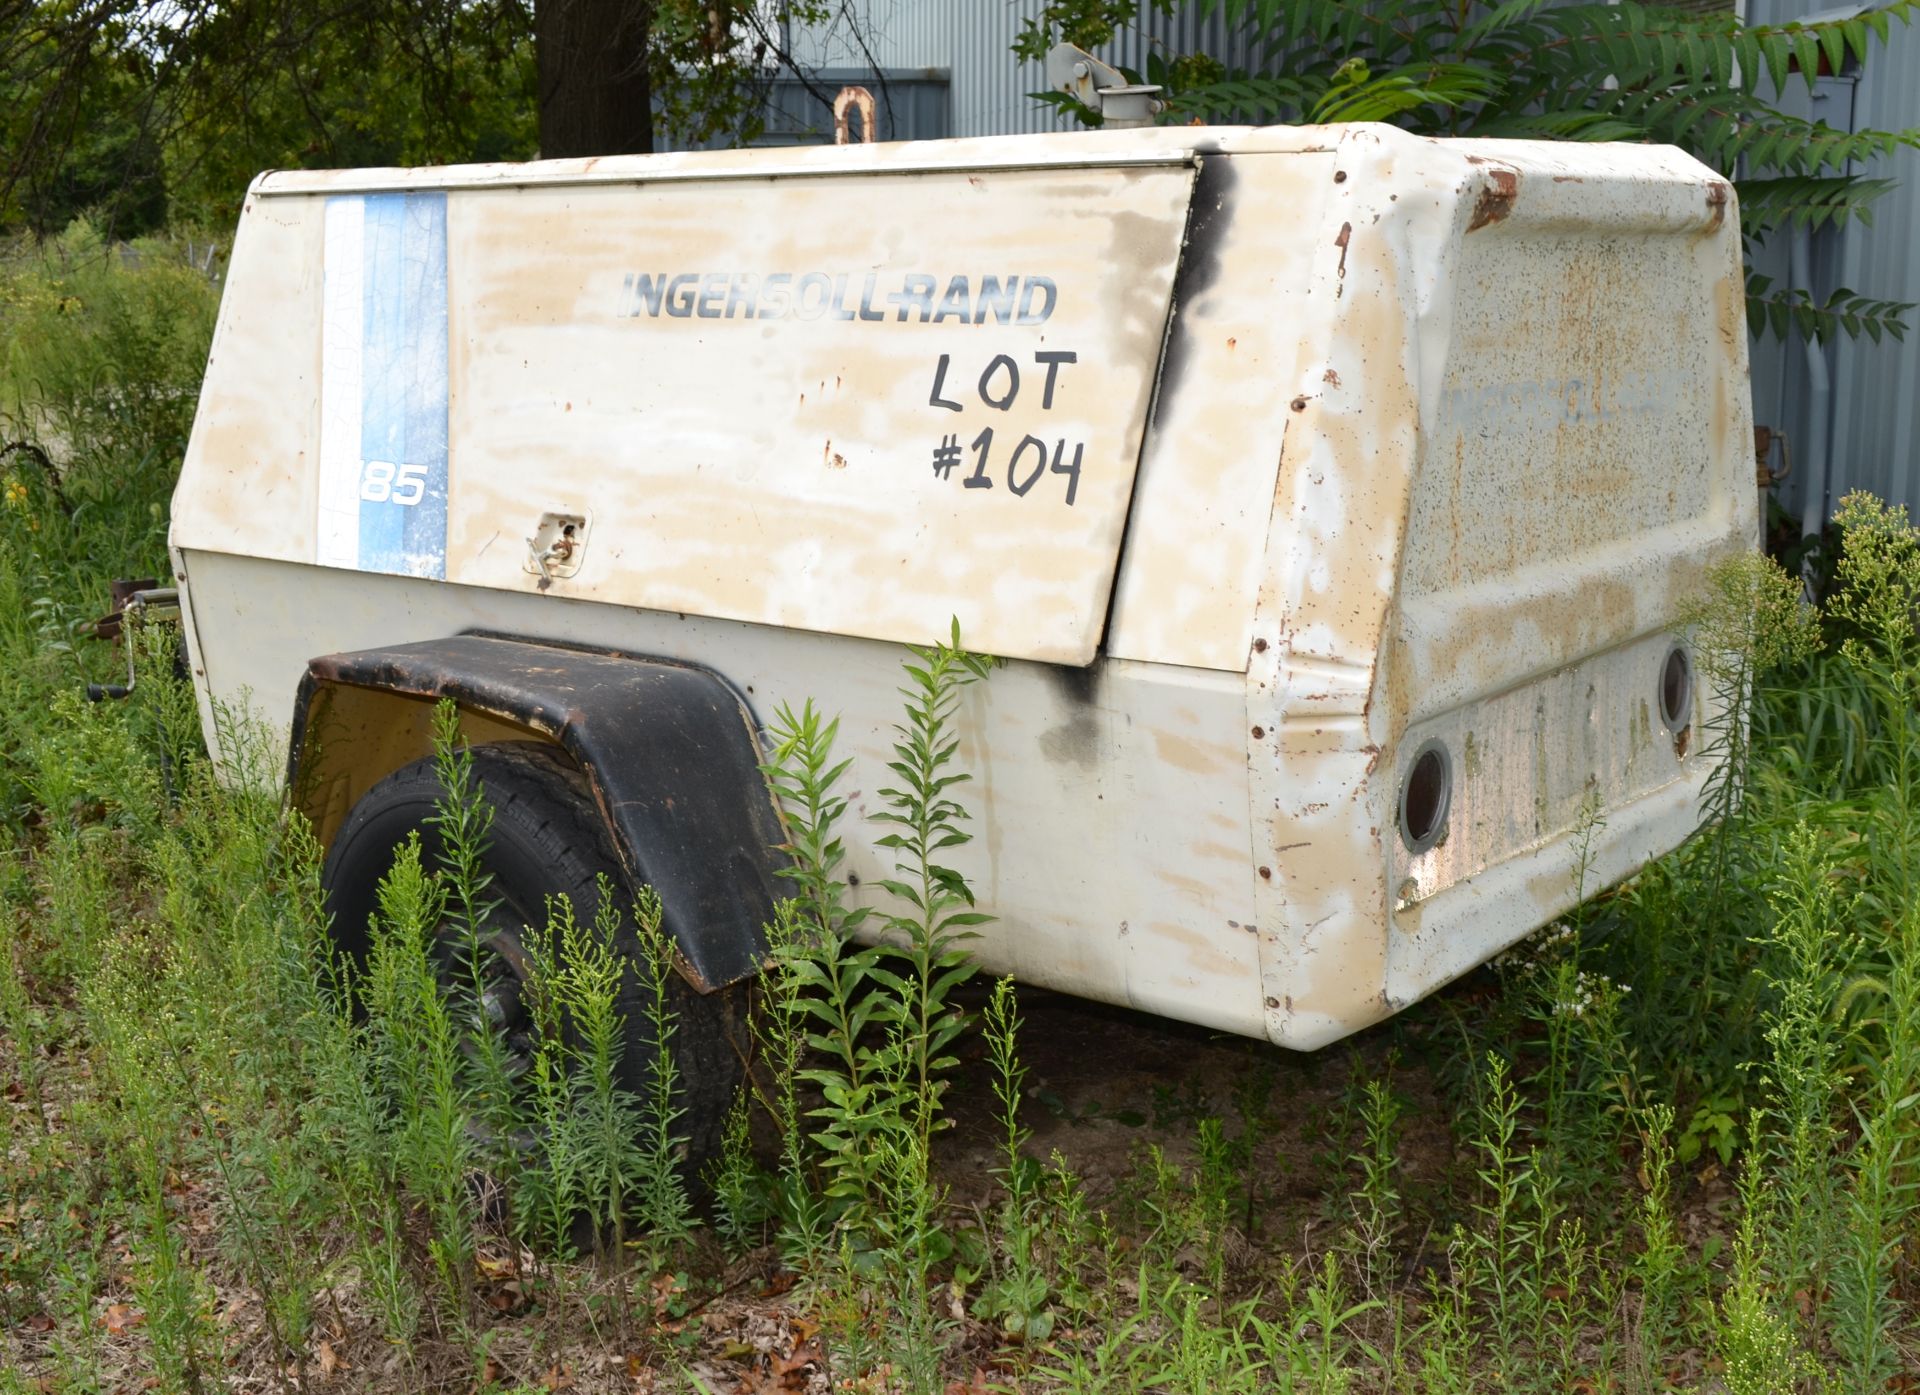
{"x":1397,"y":456}
{"x":1154,"y":913}
{"x":1480,"y":488}
{"x":972,"y":395}
{"x":1197,"y":541}
{"x":826,"y":417}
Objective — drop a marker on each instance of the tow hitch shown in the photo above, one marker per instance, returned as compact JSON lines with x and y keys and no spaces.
{"x":136,"y":603}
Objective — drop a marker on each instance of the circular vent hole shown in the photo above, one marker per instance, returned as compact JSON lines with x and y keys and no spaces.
{"x":1676,"y":690}
{"x":1424,"y":798}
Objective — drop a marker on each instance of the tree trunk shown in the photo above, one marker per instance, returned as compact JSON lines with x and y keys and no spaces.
{"x":595,"y":92}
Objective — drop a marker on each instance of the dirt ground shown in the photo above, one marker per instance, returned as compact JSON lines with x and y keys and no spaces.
{"x":1103,"y":1082}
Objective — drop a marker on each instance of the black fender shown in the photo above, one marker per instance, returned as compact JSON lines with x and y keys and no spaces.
{"x":669,"y":751}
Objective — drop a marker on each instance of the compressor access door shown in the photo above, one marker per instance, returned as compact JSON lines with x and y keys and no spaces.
{"x":856,"y":403}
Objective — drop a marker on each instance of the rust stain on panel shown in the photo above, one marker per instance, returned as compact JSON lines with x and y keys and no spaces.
{"x":1718,"y":194}
{"x":1496,"y":198}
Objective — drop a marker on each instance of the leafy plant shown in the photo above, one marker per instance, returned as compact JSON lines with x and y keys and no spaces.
{"x":1759,"y":1350}
{"x":1812,"y":954}
{"x":610,"y":1144}
{"x":1870,"y":1312}
{"x":939,"y":905}
{"x":883,"y":1016}
{"x":1016,"y":1295}
{"x":820,"y":989}
{"x":1658,"y":1265}
{"x":780,"y":1027}
{"x":664,"y":1209}
{"x":1747,"y":622}
{"x":415,"y":1053}
{"x":1376,"y":1211}
{"x":461,"y":942}
{"x":1491,"y":1253}
{"x":881,"y":1019}
{"x":1715,"y":1127}
{"x":101,"y":367}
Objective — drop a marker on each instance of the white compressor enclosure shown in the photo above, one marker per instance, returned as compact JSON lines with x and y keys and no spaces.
{"x":1330,"y":494}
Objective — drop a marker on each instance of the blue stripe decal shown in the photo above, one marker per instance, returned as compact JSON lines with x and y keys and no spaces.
{"x":403,"y":424}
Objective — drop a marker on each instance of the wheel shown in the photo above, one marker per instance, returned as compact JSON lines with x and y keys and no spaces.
{"x":547,"y":838}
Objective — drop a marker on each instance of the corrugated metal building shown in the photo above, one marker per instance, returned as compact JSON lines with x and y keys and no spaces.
{"x":942,"y":68}
{"x":1849,"y":408}
{"x":972,"y":40}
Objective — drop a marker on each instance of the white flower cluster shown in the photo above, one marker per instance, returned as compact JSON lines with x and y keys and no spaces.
{"x":1530,"y":954}
{"x":1585,"y":991}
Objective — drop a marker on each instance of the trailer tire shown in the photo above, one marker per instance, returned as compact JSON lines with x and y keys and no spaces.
{"x":547,"y":838}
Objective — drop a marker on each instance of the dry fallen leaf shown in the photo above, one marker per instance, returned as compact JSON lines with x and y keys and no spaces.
{"x":120,"y":1316}
{"x":493,"y":1266}
{"x":329,"y":1360}
{"x":789,"y":1372}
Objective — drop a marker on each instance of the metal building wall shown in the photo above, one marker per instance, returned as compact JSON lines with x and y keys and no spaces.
{"x":912,"y":104}
{"x":1869,"y":428}
{"x":973,"y":40}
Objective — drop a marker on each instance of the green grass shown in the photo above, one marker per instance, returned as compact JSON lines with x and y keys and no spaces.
{"x":1670,"y":1145}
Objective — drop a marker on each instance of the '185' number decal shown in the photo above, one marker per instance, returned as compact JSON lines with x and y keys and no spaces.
{"x":381,"y":482}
